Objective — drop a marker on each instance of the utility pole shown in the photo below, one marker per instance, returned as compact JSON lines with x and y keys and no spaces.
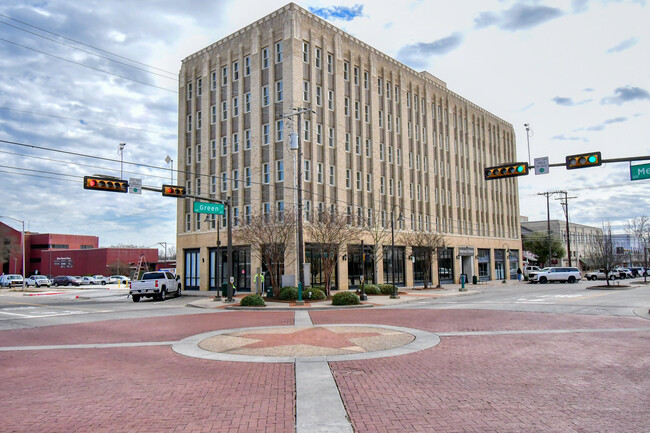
{"x":565,"y":207}
{"x":548,"y":223}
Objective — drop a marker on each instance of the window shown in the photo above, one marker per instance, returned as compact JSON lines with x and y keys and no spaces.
{"x":279,"y":130}
{"x":199,"y":87}
{"x":330,"y":100}
{"x":319,"y":96}
{"x":235,"y":143}
{"x":379,"y":86}
{"x":381,"y":151}
{"x":356,"y":75}
{"x":359,"y":180}
{"x":235,"y":216}
{"x":319,"y":172}
{"x":278,"y":91}
{"x":188,"y":156}
{"x":213,"y":80}
{"x":224,"y":76}
{"x":368,"y":148}
{"x":213,"y":114}
{"x":189,"y":91}
{"x":266,"y":175}
{"x":356,"y":110}
{"x":332,"y":176}
{"x":318,"y":54}
{"x":306,"y":130}
{"x":198,"y":120}
{"x":381,"y":119}
{"x":265,"y":96}
{"x":319,"y":133}
{"x":224,"y":146}
{"x":307,"y":170}
{"x":391,"y":187}
{"x":189,"y":123}
{"x":265,"y":58}
{"x":305,"y":52}
{"x":278,"y":52}
{"x":366,"y":113}
{"x":247,"y":66}
{"x":365,"y":80}
{"x":346,"y":71}
{"x":235,"y":106}
{"x":224,"y":110}
{"x":247,"y":177}
{"x":279,"y":206}
{"x":330,"y":137}
{"x":224,"y":182}
{"x":398,"y":155}
{"x":247,"y":139}
{"x":247,"y":102}
{"x":346,"y":106}
{"x":235,"y":71}
{"x":347,"y":141}
{"x":213,"y":184}
{"x":247,"y":214}
{"x":197,"y":225}
{"x":390,"y":154}
{"x":198,"y":153}
{"x":235,"y":179}
{"x":382,"y":185}
{"x":279,"y":170}
{"x":368,"y":182}
{"x":399,"y":188}
{"x":348,"y":178}
{"x":305,"y":91}
{"x":357,"y":145}
{"x":330,"y":63}
{"x":266,"y":131}
{"x":388,"y":89}
{"x":213,"y":149}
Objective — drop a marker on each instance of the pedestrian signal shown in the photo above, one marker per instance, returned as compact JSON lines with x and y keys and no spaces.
{"x":583,"y":160}
{"x":507,"y":170}
{"x":106,"y":184}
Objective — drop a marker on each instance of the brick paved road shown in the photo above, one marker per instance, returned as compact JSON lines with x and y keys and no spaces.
{"x":542,"y":382}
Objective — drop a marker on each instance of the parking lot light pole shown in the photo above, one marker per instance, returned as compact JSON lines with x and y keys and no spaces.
{"x":22,"y":243}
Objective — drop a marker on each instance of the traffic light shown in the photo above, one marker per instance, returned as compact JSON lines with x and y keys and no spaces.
{"x":106,"y":184}
{"x":173,"y":191}
{"x":506,"y":170}
{"x":583,"y":160}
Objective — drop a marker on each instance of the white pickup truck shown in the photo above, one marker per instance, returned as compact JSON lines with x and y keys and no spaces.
{"x":155,"y":285}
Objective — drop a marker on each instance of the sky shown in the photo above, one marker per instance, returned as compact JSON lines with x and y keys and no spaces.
{"x":79,"y":78}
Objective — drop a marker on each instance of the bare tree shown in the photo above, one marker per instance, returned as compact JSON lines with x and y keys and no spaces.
{"x":331,"y":231}
{"x":600,"y":251}
{"x":269,"y":235}
{"x":378,"y":230}
{"x":639,"y":227}
{"x":428,"y":243}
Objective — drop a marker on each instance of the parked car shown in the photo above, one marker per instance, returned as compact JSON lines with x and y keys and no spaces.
{"x":155,"y":285}
{"x":529,"y":269}
{"x":113,"y":279}
{"x":38,"y":281}
{"x":65,"y":280}
{"x":624,"y":273}
{"x":637,"y":271}
{"x":100,"y":279}
{"x":87,"y":281}
{"x":600,"y":275}
{"x":12,"y":280}
{"x":550,"y":275}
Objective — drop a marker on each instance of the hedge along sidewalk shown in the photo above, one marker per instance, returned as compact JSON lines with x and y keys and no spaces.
{"x":406,"y":296}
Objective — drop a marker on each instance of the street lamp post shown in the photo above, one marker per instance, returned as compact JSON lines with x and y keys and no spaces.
{"x":506,"y":259}
{"x":394,"y":295}
{"x":22,"y":243}
{"x":169,"y":160}
{"x":216,"y":276}
{"x":164,"y":244}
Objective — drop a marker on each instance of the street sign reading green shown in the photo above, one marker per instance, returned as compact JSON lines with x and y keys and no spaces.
{"x":212,"y":208}
{"x":638,"y":172}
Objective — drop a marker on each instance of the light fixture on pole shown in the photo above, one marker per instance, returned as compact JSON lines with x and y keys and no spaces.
{"x":164,"y":244}
{"x":22,"y":243}
{"x":506,"y":258}
{"x":120,"y":150}
{"x":400,"y":218}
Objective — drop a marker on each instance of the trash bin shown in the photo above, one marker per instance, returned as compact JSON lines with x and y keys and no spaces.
{"x":224,"y":290}
{"x":474,"y":279}
{"x":269,"y":292}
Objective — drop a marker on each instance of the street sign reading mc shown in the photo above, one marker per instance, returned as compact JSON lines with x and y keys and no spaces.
{"x":211,"y":208}
{"x":641,"y":171}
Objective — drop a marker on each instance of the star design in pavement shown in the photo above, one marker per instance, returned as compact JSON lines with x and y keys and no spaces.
{"x":316,"y":336}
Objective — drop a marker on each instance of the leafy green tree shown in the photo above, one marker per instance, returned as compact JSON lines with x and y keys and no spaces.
{"x":537,"y":244}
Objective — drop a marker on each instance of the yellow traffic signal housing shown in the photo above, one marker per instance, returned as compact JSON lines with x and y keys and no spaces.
{"x":506,"y":170}
{"x":106,"y":184}
{"x":173,"y":191}
{"x":583,"y":160}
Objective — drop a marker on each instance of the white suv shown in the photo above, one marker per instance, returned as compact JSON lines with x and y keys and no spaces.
{"x":549,"y":275}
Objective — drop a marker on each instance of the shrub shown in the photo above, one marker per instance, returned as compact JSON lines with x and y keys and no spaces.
{"x":289,"y":293}
{"x":313,"y":294}
{"x":252,"y":301}
{"x":371,"y":289}
{"x":386,"y":289}
{"x":345,"y":298}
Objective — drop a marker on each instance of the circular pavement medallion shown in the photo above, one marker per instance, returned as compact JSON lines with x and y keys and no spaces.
{"x":287,"y":343}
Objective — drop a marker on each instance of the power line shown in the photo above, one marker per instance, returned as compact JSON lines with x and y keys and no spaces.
{"x":86,"y":66}
{"x":86,"y":45}
{"x":90,"y":52}
{"x":89,"y":121}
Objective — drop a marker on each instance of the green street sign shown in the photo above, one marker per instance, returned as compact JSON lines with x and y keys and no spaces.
{"x":638,"y":172}
{"x":211,"y":208}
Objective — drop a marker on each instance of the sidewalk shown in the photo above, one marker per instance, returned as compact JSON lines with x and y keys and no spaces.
{"x":405,"y":296}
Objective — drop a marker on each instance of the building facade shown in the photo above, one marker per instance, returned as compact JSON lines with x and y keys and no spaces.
{"x":381,"y":140}
{"x":580,"y":237}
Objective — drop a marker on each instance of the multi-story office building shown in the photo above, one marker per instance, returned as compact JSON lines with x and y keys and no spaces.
{"x":382,"y":140}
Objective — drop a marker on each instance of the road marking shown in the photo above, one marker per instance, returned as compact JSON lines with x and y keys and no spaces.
{"x":34,"y":312}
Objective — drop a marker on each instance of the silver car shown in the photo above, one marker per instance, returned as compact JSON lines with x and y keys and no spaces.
{"x":38,"y":281}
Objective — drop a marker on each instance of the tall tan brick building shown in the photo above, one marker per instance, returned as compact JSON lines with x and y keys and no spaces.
{"x":383,"y":140}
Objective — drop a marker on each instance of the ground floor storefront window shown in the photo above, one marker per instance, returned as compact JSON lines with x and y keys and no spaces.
{"x":314,"y":255}
{"x":446,"y":265}
{"x":499,"y":264}
{"x":484,"y":264}
{"x":191,"y":271}
{"x":513,"y":259}
{"x":395,"y":262}
{"x":420,"y":265}
{"x":358,"y":267}
{"x":219,"y":268}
